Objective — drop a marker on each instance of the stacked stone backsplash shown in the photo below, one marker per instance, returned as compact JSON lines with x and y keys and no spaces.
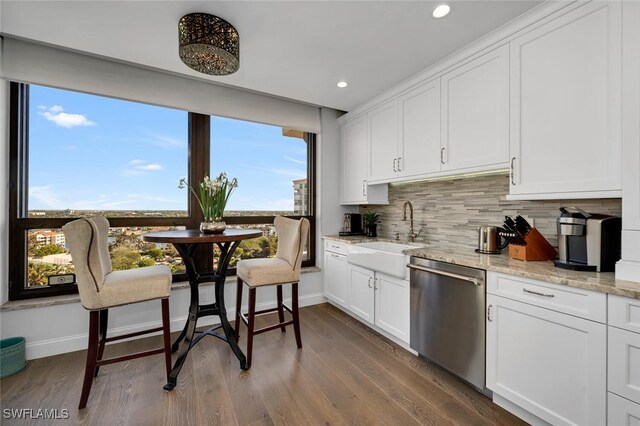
{"x":450,"y":211}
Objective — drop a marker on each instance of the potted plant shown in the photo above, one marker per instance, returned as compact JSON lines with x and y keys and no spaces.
{"x":212,"y":199}
{"x":371,"y":220}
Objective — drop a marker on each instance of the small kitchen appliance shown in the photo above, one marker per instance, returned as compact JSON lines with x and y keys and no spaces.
{"x":489,"y":240}
{"x":588,"y":242}
{"x":352,"y":224}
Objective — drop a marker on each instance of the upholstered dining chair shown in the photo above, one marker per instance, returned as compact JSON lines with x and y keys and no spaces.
{"x":280,"y":270}
{"x":101,"y":288}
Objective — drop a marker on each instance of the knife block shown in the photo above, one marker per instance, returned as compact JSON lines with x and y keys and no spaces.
{"x":537,"y":248}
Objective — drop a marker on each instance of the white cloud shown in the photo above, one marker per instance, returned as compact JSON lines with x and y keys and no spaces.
{"x":63,"y":119}
{"x":149,"y":167}
{"x":46,"y":196}
{"x":294,"y":160}
{"x":136,"y":162}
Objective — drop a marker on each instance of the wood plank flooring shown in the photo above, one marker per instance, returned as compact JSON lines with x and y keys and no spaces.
{"x":345,"y":374}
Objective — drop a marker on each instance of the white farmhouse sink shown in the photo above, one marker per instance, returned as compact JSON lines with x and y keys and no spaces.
{"x":381,"y":256}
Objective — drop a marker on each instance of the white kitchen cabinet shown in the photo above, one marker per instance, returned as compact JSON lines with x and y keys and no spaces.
{"x":392,"y":305}
{"x":361,"y":292}
{"x":546,"y":362}
{"x":624,"y":363}
{"x":622,"y":412}
{"x":384,"y":133}
{"x":475,"y":113}
{"x":419,"y":151}
{"x":380,"y":300}
{"x":354,"y":160}
{"x":566,"y":106}
{"x":405,"y":135}
{"x":336,"y":287}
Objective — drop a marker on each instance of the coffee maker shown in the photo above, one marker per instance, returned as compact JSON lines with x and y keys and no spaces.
{"x":352,"y":224}
{"x":588,"y":242}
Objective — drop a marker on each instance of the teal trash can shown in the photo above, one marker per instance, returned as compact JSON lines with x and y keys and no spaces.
{"x":11,"y":356}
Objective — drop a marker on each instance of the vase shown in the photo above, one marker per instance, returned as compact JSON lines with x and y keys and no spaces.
{"x":372,"y":230}
{"x":213,"y":227}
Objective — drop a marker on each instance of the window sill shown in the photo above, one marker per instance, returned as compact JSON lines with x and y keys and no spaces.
{"x":16,"y":305}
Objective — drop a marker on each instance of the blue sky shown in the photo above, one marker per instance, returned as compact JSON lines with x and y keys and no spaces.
{"x":94,"y":153}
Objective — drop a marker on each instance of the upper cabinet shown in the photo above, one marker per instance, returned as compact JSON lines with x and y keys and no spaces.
{"x":405,"y":135}
{"x":475,"y":113}
{"x":566,"y":106}
{"x":355,"y":158}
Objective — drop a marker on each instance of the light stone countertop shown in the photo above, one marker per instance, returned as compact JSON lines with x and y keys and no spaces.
{"x":603,"y":282}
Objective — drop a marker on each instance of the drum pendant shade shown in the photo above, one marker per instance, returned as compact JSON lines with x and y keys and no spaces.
{"x":208,"y":44}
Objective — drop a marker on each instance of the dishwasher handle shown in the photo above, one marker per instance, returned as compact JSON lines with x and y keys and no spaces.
{"x":471,"y":280}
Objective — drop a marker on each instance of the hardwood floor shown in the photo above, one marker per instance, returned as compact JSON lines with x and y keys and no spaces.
{"x":344,"y":374}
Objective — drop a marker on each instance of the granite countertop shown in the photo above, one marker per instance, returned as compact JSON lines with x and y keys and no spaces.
{"x":604,"y":282}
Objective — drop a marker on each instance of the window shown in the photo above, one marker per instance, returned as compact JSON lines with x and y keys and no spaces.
{"x":75,"y":155}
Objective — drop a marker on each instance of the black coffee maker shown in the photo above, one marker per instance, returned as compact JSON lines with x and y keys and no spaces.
{"x":588,"y":242}
{"x":352,"y":224}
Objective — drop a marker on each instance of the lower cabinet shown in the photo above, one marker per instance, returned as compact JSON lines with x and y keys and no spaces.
{"x":380,"y":300}
{"x":549,"y":363}
{"x":622,"y":412}
{"x":335,"y":271}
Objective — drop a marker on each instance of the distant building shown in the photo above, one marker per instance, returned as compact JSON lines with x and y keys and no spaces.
{"x":300,"y":197}
{"x":50,"y":237}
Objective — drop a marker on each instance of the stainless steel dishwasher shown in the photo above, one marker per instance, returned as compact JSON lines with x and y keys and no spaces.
{"x":447,"y":317}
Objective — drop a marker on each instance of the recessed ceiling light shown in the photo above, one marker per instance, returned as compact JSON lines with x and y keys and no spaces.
{"x":342,"y":84}
{"x":441,"y":11}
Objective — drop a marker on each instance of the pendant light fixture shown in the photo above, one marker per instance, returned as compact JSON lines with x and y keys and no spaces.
{"x":208,"y":44}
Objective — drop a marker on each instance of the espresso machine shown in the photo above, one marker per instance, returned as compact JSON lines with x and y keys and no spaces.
{"x":588,"y":242}
{"x":352,"y":224}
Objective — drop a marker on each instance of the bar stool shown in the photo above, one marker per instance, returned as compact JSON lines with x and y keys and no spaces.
{"x":280,"y":270}
{"x":101,"y":288}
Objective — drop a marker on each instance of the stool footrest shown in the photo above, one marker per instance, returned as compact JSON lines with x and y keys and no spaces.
{"x":129,"y":357}
{"x":137,"y":333}
{"x":273,"y":327}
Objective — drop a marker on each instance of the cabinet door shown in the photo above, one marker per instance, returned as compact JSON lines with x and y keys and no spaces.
{"x":354,"y":157}
{"x":624,"y":363}
{"x":383,"y":127}
{"x":475,"y":113}
{"x":361,"y":293}
{"x":392,"y":306}
{"x":336,"y":276}
{"x":420,"y":130}
{"x":550,"y":364}
{"x":566,"y":104}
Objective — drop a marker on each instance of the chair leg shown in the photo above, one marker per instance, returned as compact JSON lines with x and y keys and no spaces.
{"x":280,"y":308}
{"x":103,"y":320}
{"x":296,"y":316}
{"x":166,"y":334}
{"x":92,"y":358}
{"x":251,"y":324}
{"x":239,"y":285}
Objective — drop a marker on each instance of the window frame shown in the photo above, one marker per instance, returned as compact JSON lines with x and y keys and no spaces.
{"x":198,"y":158}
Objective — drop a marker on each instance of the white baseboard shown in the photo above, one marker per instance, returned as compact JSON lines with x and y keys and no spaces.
{"x":78,"y":342}
{"x":519,"y":412}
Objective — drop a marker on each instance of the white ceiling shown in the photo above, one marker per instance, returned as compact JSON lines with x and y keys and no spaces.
{"x":293,"y":49}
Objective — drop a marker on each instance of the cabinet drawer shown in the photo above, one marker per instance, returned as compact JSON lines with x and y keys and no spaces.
{"x":335,"y":247}
{"x":624,"y":363}
{"x":621,"y":411}
{"x":573,"y":301}
{"x":624,"y":312}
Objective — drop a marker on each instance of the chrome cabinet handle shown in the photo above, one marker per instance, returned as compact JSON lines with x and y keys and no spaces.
{"x":513,"y":182}
{"x":364,"y":182}
{"x":394,"y":165}
{"x":489,"y":313}
{"x":334,"y":255}
{"x":375,"y":283}
{"x":369,"y":283}
{"x":399,"y":169}
{"x":538,"y":293}
{"x":442,"y":155}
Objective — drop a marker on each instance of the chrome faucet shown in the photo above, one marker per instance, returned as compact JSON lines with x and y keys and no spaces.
{"x":412,"y":235}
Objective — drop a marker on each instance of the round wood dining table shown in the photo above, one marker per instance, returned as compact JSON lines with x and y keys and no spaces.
{"x":186,"y":242}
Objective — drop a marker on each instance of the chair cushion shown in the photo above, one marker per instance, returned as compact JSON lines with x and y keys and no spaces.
{"x":269,"y":271}
{"x":134,"y":285}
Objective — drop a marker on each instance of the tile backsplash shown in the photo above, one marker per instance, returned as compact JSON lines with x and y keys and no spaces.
{"x":451,"y":210}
